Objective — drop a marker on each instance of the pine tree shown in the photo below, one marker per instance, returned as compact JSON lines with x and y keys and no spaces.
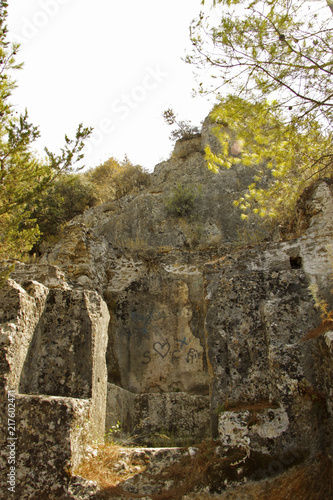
{"x":23,"y":178}
{"x":276,"y":56}
{"x":283,"y":153}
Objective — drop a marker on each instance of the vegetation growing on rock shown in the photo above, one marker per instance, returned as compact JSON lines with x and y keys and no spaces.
{"x":24,"y":179}
{"x":276,"y":59}
{"x":113,"y":179}
{"x":183,"y":201}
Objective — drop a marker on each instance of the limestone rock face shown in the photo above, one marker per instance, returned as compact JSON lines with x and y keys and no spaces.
{"x":53,"y":378}
{"x":185,"y":325}
{"x":206,"y":319}
{"x":184,"y":148}
{"x":141,"y":220}
{"x":255,"y":324}
{"x":157,"y":341}
{"x":259,"y":310}
{"x":185,"y":418}
{"x":144,"y":218}
{"x":20,"y":311}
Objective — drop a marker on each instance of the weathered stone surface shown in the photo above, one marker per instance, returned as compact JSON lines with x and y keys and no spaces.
{"x":181,"y":417}
{"x":203,"y":338}
{"x":81,"y":255}
{"x":20,"y":311}
{"x":70,"y":339}
{"x":323,"y":399}
{"x":51,"y":437}
{"x":53,"y":344}
{"x":47,"y":275}
{"x":80,"y":489}
{"x":320,"y":209}
{"x":259,"y":308}
{"x":244,"y":428}
{"x":157,"y":459}
{"x":184,"y":148}
{"x":258,"y":303}
{"x":141,"y":220}
{"x":158,"y":346}
{"x":120,"y":407}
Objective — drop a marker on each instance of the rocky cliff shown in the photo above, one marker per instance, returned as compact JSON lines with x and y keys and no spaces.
{"x":204,"y":319}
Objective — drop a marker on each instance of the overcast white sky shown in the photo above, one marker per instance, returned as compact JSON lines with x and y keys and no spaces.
{"x":113,"y":65}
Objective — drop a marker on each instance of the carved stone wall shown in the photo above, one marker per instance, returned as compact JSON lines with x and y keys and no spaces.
{"x":157,"y":334}
{"x":203,"y":338}
{"x":182,"y":417}
{"x":53,"y":379}
{"x":270,"y":387}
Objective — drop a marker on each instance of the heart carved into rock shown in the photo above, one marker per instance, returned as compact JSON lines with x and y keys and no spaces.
{"x":162,"y":349}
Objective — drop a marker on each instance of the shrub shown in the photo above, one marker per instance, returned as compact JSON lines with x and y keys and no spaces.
{"x":183,"y":201}
{"x":185,"y":129}
{"x":68,"y":197}
{"x":113,"y":179}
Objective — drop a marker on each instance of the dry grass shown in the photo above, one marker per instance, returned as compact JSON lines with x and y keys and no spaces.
{"x":187,"y":474}
{"x":311,"y":482}
{"x":209,"y":470}
{"x":102,"y":467}
{"x":324,"y":327}
{"x":132,"y":244}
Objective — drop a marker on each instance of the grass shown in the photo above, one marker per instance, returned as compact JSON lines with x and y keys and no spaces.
{"x":210,"y":469}
{"x":142,"y":436}
{"x":324,"y":327}
{"x":132,"y":244}
{"x":313,"y":481}
{"x":103,"y":468}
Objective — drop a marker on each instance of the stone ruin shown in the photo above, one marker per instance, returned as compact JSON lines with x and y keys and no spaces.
{"x":53,"y":378}
{"x":128,"y":319}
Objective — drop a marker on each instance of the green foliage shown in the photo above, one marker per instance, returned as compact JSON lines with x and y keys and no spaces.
{"x":113,"y":179}
{"x":185,"y":129}
{"x":23,"y":178}
{"x":69,"y":196}
{"x":193,"y":232}
{"x":270,"y":46}
{"x":142,"y":435}
{"x":276,"y":56}
{"x":114,"y":433}
{"x":183,"y":201}
{"x":291,"y":154}
{"x":324,"y":306}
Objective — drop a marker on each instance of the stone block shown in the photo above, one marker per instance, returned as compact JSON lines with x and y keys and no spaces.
{"x":180,"y":416}
{"x":53,"y":384}
{"x":157,"y":334}
{"x":184,"y":418}
{"x":20,"y":311}
{"x":51,"y":435}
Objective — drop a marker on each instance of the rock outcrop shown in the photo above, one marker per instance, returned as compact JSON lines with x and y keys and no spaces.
{"x":53,"y":380}
{"x":206,"y":331}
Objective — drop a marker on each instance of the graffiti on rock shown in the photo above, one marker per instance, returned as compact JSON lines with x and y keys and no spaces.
{"x":182,"y":342}
{"x":192,"y":355}
{"x":139,"y":323}
{"x":163,"y":349}
{"x":147,"y":358}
